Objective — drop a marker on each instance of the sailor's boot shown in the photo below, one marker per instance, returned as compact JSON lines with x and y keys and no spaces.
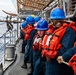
{"x":24,"y":65}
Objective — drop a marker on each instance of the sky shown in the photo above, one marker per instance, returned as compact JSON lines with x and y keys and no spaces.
{"x":7,"y":6}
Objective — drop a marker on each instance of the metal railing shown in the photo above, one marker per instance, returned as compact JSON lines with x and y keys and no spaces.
{"x":7,"y":38}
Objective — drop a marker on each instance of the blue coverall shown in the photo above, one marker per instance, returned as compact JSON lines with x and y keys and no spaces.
{"x":39,"y":66}
{"x":52,"y":68}
{"x":24,"y":43}
{"x":36,"y":55}
{"x":69,"y":53}
{"x":28,"y":54}
{"x":21,"y":35}
{"x":67,"y":56}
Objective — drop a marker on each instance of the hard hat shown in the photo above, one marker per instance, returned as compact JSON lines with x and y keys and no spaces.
{"x":24,"y":24}
{"x":37,"y":18}
{"x":30,"y":19}
{"x":57,"y":13}
{"x":42,"y":25}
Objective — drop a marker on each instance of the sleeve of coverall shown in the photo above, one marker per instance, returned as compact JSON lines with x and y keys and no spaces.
{"x":69,"y":53}
{"x":30,"y":41}
{"x":67,"y":40}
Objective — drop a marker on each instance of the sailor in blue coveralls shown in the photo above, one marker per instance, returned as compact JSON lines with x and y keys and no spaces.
{"x":22,"y":37}
{"x":39,"y":67}
{"x":30,"y":20}
{"x":52,"y":68}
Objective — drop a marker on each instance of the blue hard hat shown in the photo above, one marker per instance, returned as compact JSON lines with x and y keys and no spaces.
{"x":24,"y":24}
{"x":42,"y":25}
{"x":30,"y":20}
{"x":37,"y":18}
{"x":57,"y":13}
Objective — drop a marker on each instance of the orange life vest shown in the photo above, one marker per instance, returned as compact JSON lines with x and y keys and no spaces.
{"x":72,"y":63}
{"x":51,"y":43}
{"x":75,"y":44}
{"x":37,"y":44}
{"x":48,"y":32}
{"x":27,"y":32}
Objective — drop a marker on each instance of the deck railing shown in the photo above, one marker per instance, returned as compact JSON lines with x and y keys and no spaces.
{"x":8,"y":38}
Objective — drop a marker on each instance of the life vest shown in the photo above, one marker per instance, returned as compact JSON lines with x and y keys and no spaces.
{"x":75,"y":44}
{"x":27,"y":32}
{"x":24,"y":29}
{"x":51,"y":43}
{"x":73,"y":25}
{"x":48,"y":32}
{"x":37,"y":44}
{"x":72,"y":63}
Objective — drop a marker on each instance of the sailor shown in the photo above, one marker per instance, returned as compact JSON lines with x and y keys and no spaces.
{"x":29,"y":36}
{"x":70,"y":54}
{"x":42,"y":27}
{"x":23,"y":27}
{"x":58,"y":42}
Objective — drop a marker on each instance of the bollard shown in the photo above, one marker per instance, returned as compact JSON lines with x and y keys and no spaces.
{"x":10,"y":52}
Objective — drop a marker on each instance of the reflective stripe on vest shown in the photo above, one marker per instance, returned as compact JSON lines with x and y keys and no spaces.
{"x":52,"y":42}
{"x":37,"y":44}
